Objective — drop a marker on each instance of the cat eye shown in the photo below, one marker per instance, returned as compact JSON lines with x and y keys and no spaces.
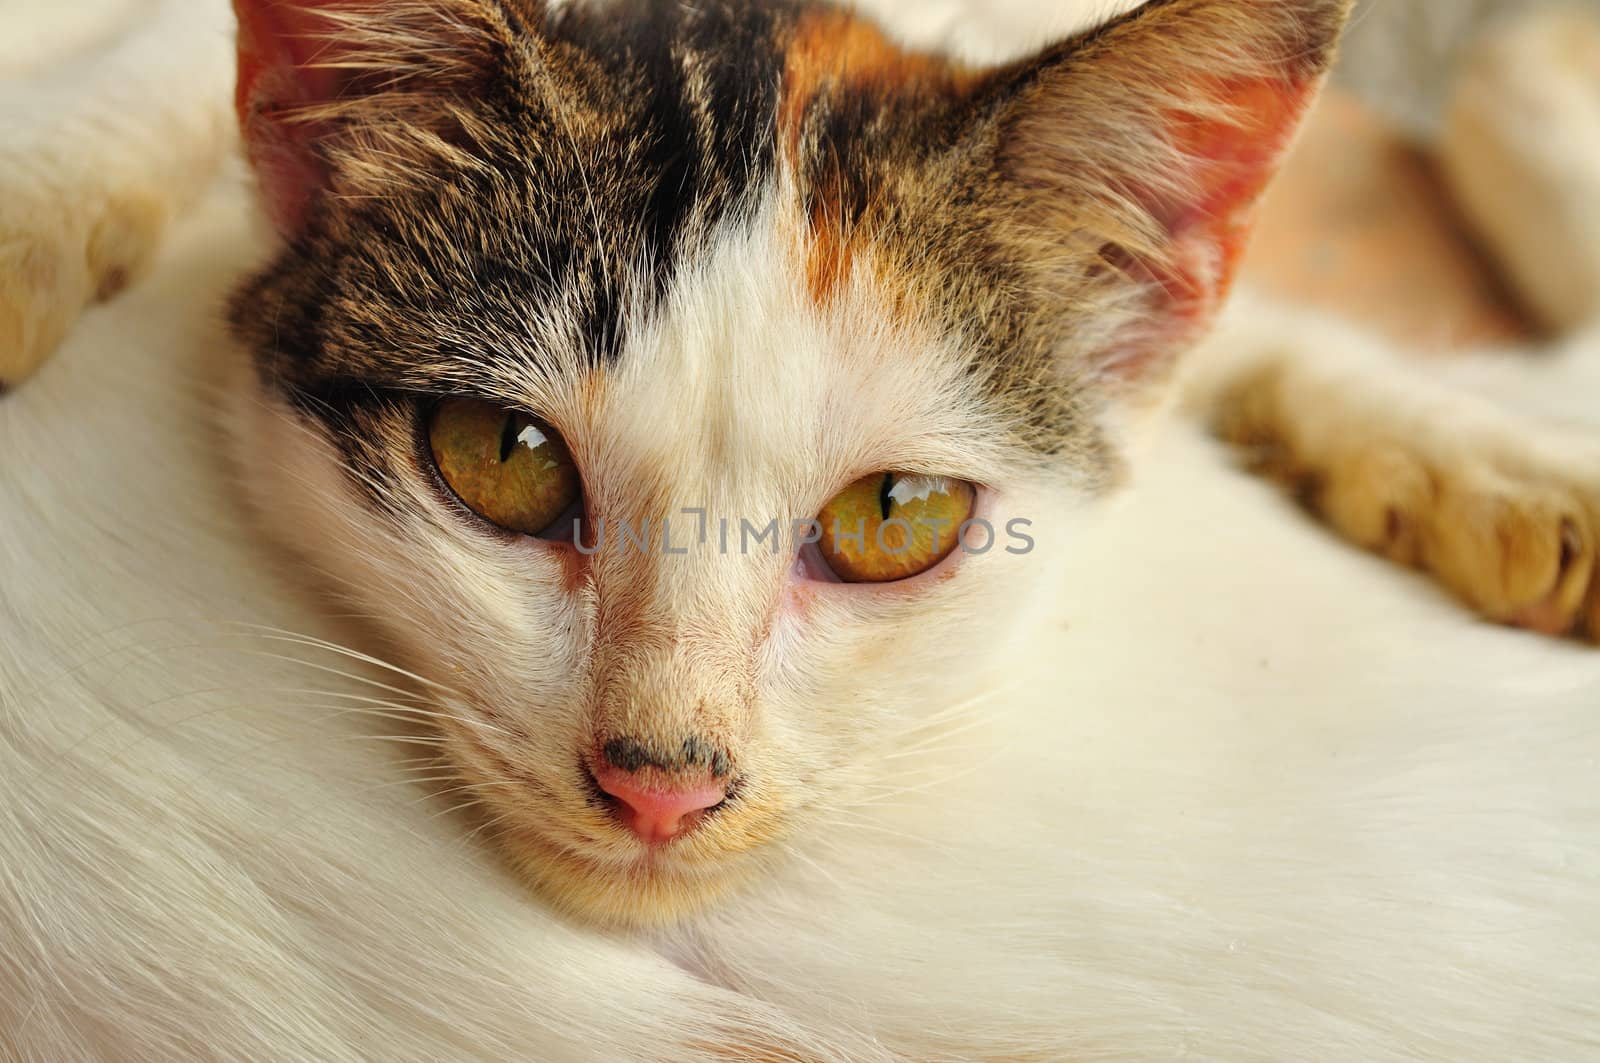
{"x":507,"y":467}
{"x":891,"y":526}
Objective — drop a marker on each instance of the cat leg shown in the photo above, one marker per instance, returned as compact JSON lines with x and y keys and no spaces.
{"x":96,"y":157}
{"x":1456,"y":465}
{"x":1502,"y":509}
{"x":1521,"y":151}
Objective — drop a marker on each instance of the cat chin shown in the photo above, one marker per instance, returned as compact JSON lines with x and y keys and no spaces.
{"x":577,"y":858}
{"x":654,"y":889}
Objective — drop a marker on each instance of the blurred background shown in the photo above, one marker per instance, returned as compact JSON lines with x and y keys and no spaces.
{"x":1362,"y":222}
{"x":1399,"y":54}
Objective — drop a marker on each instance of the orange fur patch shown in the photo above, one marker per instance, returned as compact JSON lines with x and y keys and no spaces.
{"x":1236,"y":154}
{"x":832,"y":50}
{"x":835,"y":53}
{"x":1246,"y":154}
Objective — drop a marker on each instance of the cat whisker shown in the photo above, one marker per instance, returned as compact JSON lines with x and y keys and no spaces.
{"x":474,"y":787}
{"x":378,"y":709}
{"x":904,"y":791}
{"x":284,"y":635}
{"x":428,"y":795}
{"x":931,"y":731}
{"x":936,"y":773}
{"x":843,"y":818}
{"x":932,"y":742}
{"x":965,"y":705}
{"x":416,"y":740}
{"x":487,"y":825}
{"x":331,"y":670}
{"x":795,"y":853}
{"x":456,"y":808}
{"x":423,"y":780}
{"x":310,"y":642}
{"x":391,"y":710}
{"x":420,"y":763}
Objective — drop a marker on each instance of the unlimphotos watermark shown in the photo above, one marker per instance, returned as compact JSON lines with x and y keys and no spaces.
{"x":894,"y":536}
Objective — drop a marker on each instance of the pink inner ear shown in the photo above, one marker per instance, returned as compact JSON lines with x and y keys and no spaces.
{"x":1232,"y":163}
{"x":279,"y":43}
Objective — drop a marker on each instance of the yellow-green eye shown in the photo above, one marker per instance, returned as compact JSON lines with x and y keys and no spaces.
{"x":508,"y":468}
{"x":892,"y":526}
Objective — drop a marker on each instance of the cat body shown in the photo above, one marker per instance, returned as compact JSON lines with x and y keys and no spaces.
{"x":1202,"y":797}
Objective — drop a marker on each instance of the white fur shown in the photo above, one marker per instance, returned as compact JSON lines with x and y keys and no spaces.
{"x":89,"y":192}
{"x":1245,"y":795}
{"x":989,"y":31}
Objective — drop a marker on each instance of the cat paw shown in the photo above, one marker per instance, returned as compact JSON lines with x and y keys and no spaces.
{"x":1507,"y":530}
{"x":1521,"y":151}
{"x":60,"y":251}
{"x":1520,"y":550}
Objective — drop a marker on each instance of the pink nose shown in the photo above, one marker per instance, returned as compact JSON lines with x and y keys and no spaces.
{"x":657,"y":811}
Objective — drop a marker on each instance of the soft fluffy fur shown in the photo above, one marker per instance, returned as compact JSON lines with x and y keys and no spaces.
{"x":1242,"y":795}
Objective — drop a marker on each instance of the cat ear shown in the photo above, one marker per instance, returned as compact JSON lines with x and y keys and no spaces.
{"x":320,"y":79}
{"x":1134,"y":156}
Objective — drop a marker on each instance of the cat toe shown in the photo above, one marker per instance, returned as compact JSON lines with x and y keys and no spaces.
{"x":1377,"y":497}
{"x":42,"y":289}
{"x":1520,"y":553}
{"x":1589,"y":627}
{"x":56,"y":259}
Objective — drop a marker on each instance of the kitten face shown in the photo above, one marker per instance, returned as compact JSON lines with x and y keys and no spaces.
{"x":803,"y":684}
{"x":738,"y":258}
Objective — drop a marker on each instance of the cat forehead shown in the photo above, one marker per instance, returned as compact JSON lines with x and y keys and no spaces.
{"x":637,"y":142}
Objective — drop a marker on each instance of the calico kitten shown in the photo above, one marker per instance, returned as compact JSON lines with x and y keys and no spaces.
{"x":717,"y":270}
{"x":1202,"y":829}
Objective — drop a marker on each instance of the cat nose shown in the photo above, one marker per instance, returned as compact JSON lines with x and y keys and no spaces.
{"x":659,"y":809}
{"x":659,"y":801}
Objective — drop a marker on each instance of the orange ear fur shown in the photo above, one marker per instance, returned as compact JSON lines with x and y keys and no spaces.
{"x":1234,"y":161}
{"x":1140,"y":151}
{"x":279,"y":70}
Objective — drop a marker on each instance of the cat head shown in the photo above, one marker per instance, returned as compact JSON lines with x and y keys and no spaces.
{"x":697,"y":393}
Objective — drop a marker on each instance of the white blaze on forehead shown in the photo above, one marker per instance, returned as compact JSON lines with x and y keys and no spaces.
{"x":742,"y":376}
{"x":738,"y":394}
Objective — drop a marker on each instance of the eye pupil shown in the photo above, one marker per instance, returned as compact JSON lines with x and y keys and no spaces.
{"x":892,"y":526}
{"x":508,"y":438}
